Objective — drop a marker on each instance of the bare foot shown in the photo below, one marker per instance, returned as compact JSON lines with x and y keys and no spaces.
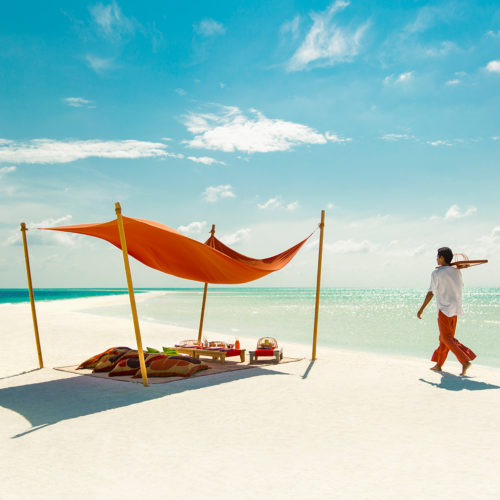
{"x":436,"y":368}
{"x":465,"y":367}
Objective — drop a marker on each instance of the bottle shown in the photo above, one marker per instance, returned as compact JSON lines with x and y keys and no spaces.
{"x":237,"y":344}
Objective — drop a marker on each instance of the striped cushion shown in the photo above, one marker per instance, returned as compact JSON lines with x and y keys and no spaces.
{"x":92,"y":362}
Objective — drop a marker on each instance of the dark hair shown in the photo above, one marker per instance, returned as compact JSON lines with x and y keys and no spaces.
{"x":446,"y":253}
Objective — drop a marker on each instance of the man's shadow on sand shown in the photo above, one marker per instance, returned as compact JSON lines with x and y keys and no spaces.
{"x":452,"y":382}
{"x":47,"y":403}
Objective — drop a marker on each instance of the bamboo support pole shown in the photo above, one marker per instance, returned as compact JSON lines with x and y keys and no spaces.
{"x":123,"y":242}
{"x":318,"y":283}
{"x":200,"y":330}
{"x":32,"y":297}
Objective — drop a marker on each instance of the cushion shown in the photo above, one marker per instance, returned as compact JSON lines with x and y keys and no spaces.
{"x":171,"y":351}
{"x":92,"y":362}
{"x":129,"y":363}
{"x":186,"y":358}
{"x":169,"y":367}
{"x":264,"y":352}
{"x":108,"y":361}
{"x":124,"y":367}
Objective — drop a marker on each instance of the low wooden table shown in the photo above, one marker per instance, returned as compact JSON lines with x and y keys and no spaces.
{"x":214,"y":353}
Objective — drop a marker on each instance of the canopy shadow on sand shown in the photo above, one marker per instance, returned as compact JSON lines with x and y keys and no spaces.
{"x":452,"y":382}
{"x":47,"y":403}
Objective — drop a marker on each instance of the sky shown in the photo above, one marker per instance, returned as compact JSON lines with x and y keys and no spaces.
{"x":253,"y":116}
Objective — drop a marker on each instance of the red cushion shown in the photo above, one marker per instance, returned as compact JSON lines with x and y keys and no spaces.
{"x":264,"y":352}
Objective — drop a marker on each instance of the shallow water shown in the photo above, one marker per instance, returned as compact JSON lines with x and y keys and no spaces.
{"x":378,"y":320}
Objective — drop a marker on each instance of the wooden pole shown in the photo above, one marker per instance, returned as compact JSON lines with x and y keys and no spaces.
{"x":212,"y":232}
{"x":318,"y":283}
{"x":123,"y":242}
{"x":32,"y":297}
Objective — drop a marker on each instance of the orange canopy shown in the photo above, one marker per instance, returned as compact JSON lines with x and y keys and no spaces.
{"x":165,"y":249}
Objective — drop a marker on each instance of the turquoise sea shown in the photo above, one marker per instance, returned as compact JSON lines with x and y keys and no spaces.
{"x":377,"y":320}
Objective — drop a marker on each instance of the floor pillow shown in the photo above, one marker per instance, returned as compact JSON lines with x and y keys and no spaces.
{"x":108,"y":361}
{"x":92,"y":362}
{"x":168,"y":367}
{"x":128,"y":364}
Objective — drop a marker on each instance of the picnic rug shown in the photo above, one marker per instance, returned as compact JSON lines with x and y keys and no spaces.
{"x":214,"y":368}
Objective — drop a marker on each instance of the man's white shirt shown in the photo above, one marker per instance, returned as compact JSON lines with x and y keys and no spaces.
{"x":447,"y":285}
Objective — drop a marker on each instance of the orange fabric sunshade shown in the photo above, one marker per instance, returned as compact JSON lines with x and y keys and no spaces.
{"x":165,"y":249}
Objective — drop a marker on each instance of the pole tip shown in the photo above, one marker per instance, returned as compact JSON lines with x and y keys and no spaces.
{"x":23,"y":226}
{"x":118,"y":208}
{"x":212,"y":231}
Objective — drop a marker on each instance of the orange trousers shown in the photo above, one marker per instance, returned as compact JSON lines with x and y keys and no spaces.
{"x":448,"y":342}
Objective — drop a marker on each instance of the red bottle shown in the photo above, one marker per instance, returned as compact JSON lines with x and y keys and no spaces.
{"x":237,"y":344}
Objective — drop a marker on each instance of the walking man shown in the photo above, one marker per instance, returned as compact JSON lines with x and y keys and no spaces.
{"x":446,"y":285}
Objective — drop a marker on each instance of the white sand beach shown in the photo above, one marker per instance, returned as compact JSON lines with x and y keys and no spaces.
{"x":350,"y":425}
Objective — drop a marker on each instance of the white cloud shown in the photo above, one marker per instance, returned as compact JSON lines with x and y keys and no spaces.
{"x":37,"y":237}
{"x":52,"y":151}
{"x":403,"y":78}
{"x":206,"y":160}
{"x":496,"y":137}
{"x":394,"y":137}
{"x":214,"y":193}
{"x":454,"y":81}
{"x":230,"y":130}
{"x":439,"y":143}
{"x":335,"y":138}
{"x":78,"y":102}
{"x":209,"y":27}
{"x":493,"y":67}
{"x":110,"y":21}
{"x":428,"y":16}
{"x":330,"y":205}
{"x":454,"y":212}
{"x":236,"y":237}
{"x":291,"y":27}
{"x":276,"y":202}
{"x":493,"y":33}
{"x":445,"y":48}
{"x":271,"y":203}
{"x":490,"y":244}
{"x":180,"y":92}
{"x":6,"y":170}
{"x":99,"y":64}
{"x":326,"y":43}
{"x":350,"y":246}
{"x":193,"y":227}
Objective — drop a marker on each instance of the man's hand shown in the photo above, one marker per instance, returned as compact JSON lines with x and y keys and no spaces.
{"x":427,"y":299}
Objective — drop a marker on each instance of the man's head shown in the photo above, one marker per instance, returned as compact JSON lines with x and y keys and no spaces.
{"x":444,"y":256}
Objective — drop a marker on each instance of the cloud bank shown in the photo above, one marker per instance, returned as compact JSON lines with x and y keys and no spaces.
{"x":326,"y":43}
{"x":52,"y":151}
{"x":231,"y":130}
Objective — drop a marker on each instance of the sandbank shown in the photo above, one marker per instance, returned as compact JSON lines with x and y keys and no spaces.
{"x":350,"y":425}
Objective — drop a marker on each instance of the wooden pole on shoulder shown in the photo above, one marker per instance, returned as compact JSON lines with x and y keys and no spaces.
{"x":123,"y":242}
{"x":32,"y":297}
{"x":200,"y":330}
{"x":318,"y":283}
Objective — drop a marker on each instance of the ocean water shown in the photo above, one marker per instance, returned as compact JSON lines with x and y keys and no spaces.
{"x":377,"y":320}
{"x":16,"y":295}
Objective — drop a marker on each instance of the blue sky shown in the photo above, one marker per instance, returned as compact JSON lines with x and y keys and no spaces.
{"x":254,"y":116}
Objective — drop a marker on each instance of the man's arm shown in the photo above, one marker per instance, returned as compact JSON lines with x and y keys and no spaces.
{"x":427,"y":299}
